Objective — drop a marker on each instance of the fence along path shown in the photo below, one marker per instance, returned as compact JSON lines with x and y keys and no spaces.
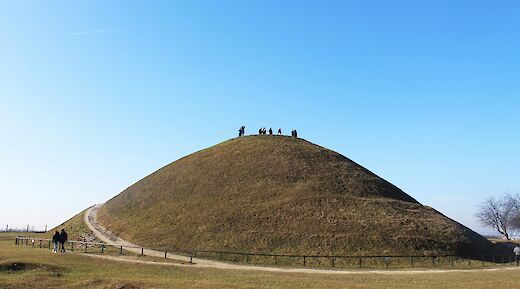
{"x":46,"y":243}
{"x":112,"y":240}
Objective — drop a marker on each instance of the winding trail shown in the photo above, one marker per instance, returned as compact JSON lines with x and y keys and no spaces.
{"x":110,"y":238}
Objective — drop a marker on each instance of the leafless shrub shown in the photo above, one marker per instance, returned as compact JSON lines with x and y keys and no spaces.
{"x":501,"y":214}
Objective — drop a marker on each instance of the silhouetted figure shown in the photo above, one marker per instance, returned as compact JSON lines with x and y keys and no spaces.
{"x":280,"y":131}
{"x":260,"y":131}
{"x":63,"y":239}
{"x":295,"y":133}
{"x":270,"y":131}
{"x":241,"y":131}
{"x":55,"y":241}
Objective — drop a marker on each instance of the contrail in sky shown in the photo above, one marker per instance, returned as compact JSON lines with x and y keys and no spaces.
{"x":96,"y":31}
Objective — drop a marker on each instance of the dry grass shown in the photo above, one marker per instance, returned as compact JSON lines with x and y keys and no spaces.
{"x":76,"y":229}
{"x":46,"y":270}
{"x":281,"y":195}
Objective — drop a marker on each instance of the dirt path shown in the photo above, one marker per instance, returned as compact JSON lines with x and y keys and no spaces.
{"x":300,"y":270}
{"x":110,"y":238}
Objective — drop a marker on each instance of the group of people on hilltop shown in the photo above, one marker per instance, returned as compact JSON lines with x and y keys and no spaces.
{"x":263,"y":130}
{"x":58,"y":240}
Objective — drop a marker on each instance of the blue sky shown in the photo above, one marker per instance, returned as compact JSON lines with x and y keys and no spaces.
{"x":95,"y":95}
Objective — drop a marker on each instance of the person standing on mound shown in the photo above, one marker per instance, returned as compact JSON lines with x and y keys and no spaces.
{"x":63,"y":239}
{"x":55,"y":241}
{"x":242,"y":131}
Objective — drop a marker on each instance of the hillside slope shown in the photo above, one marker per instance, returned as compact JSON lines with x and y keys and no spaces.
{"x":76,"y":229}
{"x":280,"y":195}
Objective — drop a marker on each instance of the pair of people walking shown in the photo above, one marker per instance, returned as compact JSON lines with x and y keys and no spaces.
{"x":58,"y":240}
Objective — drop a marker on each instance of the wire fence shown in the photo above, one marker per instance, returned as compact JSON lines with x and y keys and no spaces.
{"x":312,"y":261}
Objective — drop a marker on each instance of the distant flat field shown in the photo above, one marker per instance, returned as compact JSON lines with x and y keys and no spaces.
{"x":41,"y":269}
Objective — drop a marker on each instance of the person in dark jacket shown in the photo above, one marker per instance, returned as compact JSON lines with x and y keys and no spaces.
{"x":63,"y":239}
{"x":241,"y":131}
{"x":55,"y":241}
{"x":270,"y":131}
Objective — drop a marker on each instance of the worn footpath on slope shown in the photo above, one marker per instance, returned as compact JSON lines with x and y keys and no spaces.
{"x":108,"y":237}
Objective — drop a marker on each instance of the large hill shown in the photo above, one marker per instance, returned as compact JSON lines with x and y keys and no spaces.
{"x":278,"y":194}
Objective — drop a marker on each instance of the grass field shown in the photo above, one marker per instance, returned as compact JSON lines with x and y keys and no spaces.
{"x":46,"y":270}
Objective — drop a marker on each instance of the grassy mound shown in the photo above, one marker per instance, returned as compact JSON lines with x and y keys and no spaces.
{"x":281,"y":195}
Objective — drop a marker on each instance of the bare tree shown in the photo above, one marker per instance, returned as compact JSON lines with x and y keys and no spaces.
{"x":500,"y":214}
